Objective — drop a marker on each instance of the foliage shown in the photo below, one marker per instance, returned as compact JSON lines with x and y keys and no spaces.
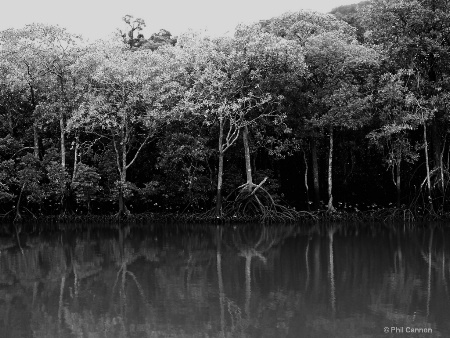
{"x":184,"y":162}
{"x":156,"y":122}
{"x":86,"y":184}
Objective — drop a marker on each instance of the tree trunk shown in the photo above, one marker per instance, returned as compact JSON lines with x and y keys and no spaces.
{"x":441,"y":172}
{"x":18,"y":214}
{"x":65,"y":194}
{"x":437,"y":146}
{"x":70,"y":190}
{"x":123,"y":210}
{"x":330,"y":174}
{"x":122,"y":207}
{"x":122,"y":180}
{"x":220,"y":172}
{"x":121,"y":202}
{"x":398,"y":185}
{"x":306,"y":179}
{"x":248,"y":167}
{"x":123,"y":163}
{"x":75,"y":157}
{"x":315,"y":169}
{"x":219,"y":186}
{"x":63,"y":142}
{"x":427,"y":164}
{"x":62,"y":124}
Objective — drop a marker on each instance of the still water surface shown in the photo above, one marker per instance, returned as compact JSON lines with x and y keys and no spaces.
{"x":243,"y":281}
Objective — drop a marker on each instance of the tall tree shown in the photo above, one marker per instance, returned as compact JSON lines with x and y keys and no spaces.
{"x":44,"y":55}
{"x":134,"y":25}
{"x":415,"y":36}
{"x":335,"y":64}
{"x":300,"y":27}
{"x":129,"y":95}
{"x":231,"y":86}
{"x":26,"y":71}
{"x":342,"y":98}
{"x":396,"y":120}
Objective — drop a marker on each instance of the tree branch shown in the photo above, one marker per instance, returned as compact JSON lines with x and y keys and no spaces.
{"x":138,"y":151}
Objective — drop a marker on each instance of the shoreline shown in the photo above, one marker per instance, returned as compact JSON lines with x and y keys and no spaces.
{"x":387,"y":215}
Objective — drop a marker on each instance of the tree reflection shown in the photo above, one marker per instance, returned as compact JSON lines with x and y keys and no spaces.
{"x":214,"y":281}
{"x":435,"y":261}
{"x":430,"y":245}
{"x":218,"y":240}
{"x":331,"y":232}
{"x":395,"y":299}
{"x":124,"y":256}
{"x":250,"y":242}
{"x":307,"y":262}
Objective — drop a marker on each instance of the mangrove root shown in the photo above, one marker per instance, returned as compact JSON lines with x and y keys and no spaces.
{"x":255,"y":201}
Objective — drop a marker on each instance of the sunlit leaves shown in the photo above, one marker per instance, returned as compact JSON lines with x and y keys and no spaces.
{"x":300,"y":26}
{"x":124,"y":86}
{"x":338,"y":70}
{"x":233,"y":77}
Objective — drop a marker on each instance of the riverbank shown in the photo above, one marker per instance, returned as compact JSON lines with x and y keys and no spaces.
{"x":386,"y":215}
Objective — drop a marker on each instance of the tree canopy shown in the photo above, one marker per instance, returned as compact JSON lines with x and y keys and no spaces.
{"x":347,"y":102}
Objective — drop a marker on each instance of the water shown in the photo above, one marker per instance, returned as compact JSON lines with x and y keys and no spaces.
{"x":244,"y":281}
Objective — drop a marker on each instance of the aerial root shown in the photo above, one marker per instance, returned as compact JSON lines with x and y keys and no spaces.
{"x":252,"y":203}
{"x":253,"y":200}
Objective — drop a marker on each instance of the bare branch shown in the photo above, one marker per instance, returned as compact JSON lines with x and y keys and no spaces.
{"x":138,"y":151}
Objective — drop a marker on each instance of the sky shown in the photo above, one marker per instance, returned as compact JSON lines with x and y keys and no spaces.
{"x":95,"y":19}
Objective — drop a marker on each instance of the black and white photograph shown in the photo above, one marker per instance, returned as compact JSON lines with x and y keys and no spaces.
{"x":222,"y":169}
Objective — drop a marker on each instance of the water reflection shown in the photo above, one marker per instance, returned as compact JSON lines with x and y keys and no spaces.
{"x":242,"y":281}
